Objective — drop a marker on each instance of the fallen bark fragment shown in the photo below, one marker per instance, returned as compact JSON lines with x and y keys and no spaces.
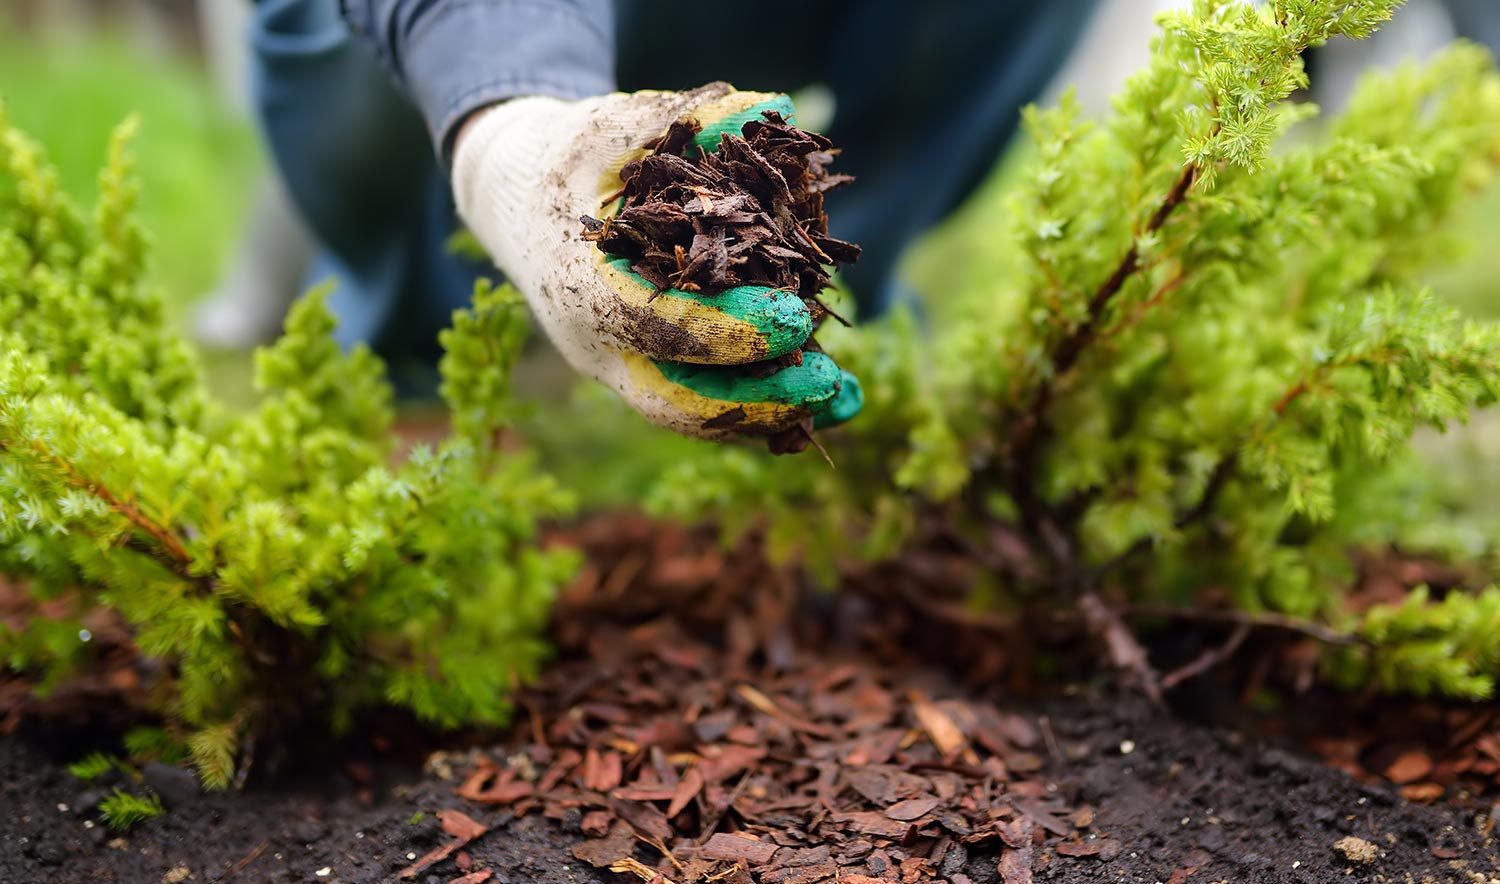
{"x":461,"y":826}
{"x":740,"y":849}
{"x":1015,"y":864}
{"x":940,"y":727}
{"x":912,"y":808}
{"x":1080,"y":848}
{"x":601,"y":853}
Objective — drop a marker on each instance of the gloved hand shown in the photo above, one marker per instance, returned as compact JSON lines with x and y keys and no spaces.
{"x":524,"y":172}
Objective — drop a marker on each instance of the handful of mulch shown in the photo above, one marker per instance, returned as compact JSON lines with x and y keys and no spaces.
{"x":750,"y":213}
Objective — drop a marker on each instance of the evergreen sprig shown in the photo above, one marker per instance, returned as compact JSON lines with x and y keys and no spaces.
{"x":1194,"y":358}
{"x":282,"y":565}
{"x":123,"y":810}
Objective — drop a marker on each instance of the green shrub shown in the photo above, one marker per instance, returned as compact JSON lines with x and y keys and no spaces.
{"x":1185,"y":363}
{"x":281,"y":564}
{"x":199,"y":163}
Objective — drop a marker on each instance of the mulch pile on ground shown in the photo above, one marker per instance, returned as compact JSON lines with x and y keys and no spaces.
{"x":714,"y":737}
{"x":708,"y":716}
{"x":754,"y":756}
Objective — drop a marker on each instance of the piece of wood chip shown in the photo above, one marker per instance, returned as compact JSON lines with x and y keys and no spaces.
{"x":762,"y":703}
{"x":1422,"y":793}
{"x":912,"y":808}
{"x":739,"y":848}
{"x":1042,"y":816}
{"x":595,"y":823}
{"x":801,"y":874}
{"x":687,"y":789}
{"x":648,"y":822}
{"x":601,"y":853}
{"x":461,"y":825}
{"x":1409,"y":767}
{"x":1015,"y":865}
{"x":601,"y":770}
{"x":941,"y":729}
{"x":873,"y":822}
{"x":1080,"y":848}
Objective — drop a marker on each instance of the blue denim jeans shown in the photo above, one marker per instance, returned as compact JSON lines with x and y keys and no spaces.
{"x":927,"y":96}
{"x":1477,"y":20}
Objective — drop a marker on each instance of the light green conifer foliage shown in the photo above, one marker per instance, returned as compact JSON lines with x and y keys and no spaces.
{"x":283,"y":565}
{"x":1202,"y":359}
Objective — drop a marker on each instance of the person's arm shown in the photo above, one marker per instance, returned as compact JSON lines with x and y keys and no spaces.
{"x":526,"y":171}
{"x":508,"y":90}
{"x":454,"y":57}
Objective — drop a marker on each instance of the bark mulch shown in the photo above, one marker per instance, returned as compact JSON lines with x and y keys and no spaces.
{"x":708,"y":720}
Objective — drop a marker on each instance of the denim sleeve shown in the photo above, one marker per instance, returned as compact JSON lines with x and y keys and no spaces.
{"x":455,"y":56}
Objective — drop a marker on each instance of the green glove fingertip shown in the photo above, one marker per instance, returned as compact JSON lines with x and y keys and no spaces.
{"x":843,"y":407}
{"x":815,"y":382}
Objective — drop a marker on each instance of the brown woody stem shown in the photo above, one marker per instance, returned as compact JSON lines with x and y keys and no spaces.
{"x":166,"y":541}
{"x":1263,"y":620}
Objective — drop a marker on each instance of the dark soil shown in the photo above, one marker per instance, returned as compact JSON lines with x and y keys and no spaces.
{"x":1183,"y":798}
{"x":978,"y":785}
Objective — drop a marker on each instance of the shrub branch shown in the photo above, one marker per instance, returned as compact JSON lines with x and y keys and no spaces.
{"x":168,"y":550}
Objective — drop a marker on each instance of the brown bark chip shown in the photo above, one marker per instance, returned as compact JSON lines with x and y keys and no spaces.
{"x":1410,"y":767}
{"x":912,"y":808}
{"x":1015,"y":865}
{"x":738,"y":848}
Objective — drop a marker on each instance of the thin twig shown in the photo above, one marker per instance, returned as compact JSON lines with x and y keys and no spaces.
{"x":718,"y":813}
{"x":818,"y":445}
{"x":1076,"y":341}
{"x":249,"y":858}
{"x":247,"y":761}
{"x":1019,"y":462}
{"x":1125,"y":650}
{"x":1138,"y":315}
{"x":1290,"y":396}
{"x":1208,"y":659}
{"x":831,"y":312}
{"x":1264,"y":620}
{"x":1044,"y":723}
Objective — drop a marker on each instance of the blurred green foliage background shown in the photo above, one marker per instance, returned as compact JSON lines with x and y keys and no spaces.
{"x":197,"y":162}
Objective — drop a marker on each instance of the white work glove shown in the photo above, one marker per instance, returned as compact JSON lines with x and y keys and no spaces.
{"x":524,"y":173}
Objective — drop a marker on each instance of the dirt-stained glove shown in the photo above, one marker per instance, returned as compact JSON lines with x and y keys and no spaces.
{"x":524,"y":173}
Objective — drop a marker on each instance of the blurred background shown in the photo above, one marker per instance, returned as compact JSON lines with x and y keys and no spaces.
{"x":72,"y":69}
{"x":230,"y":254}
